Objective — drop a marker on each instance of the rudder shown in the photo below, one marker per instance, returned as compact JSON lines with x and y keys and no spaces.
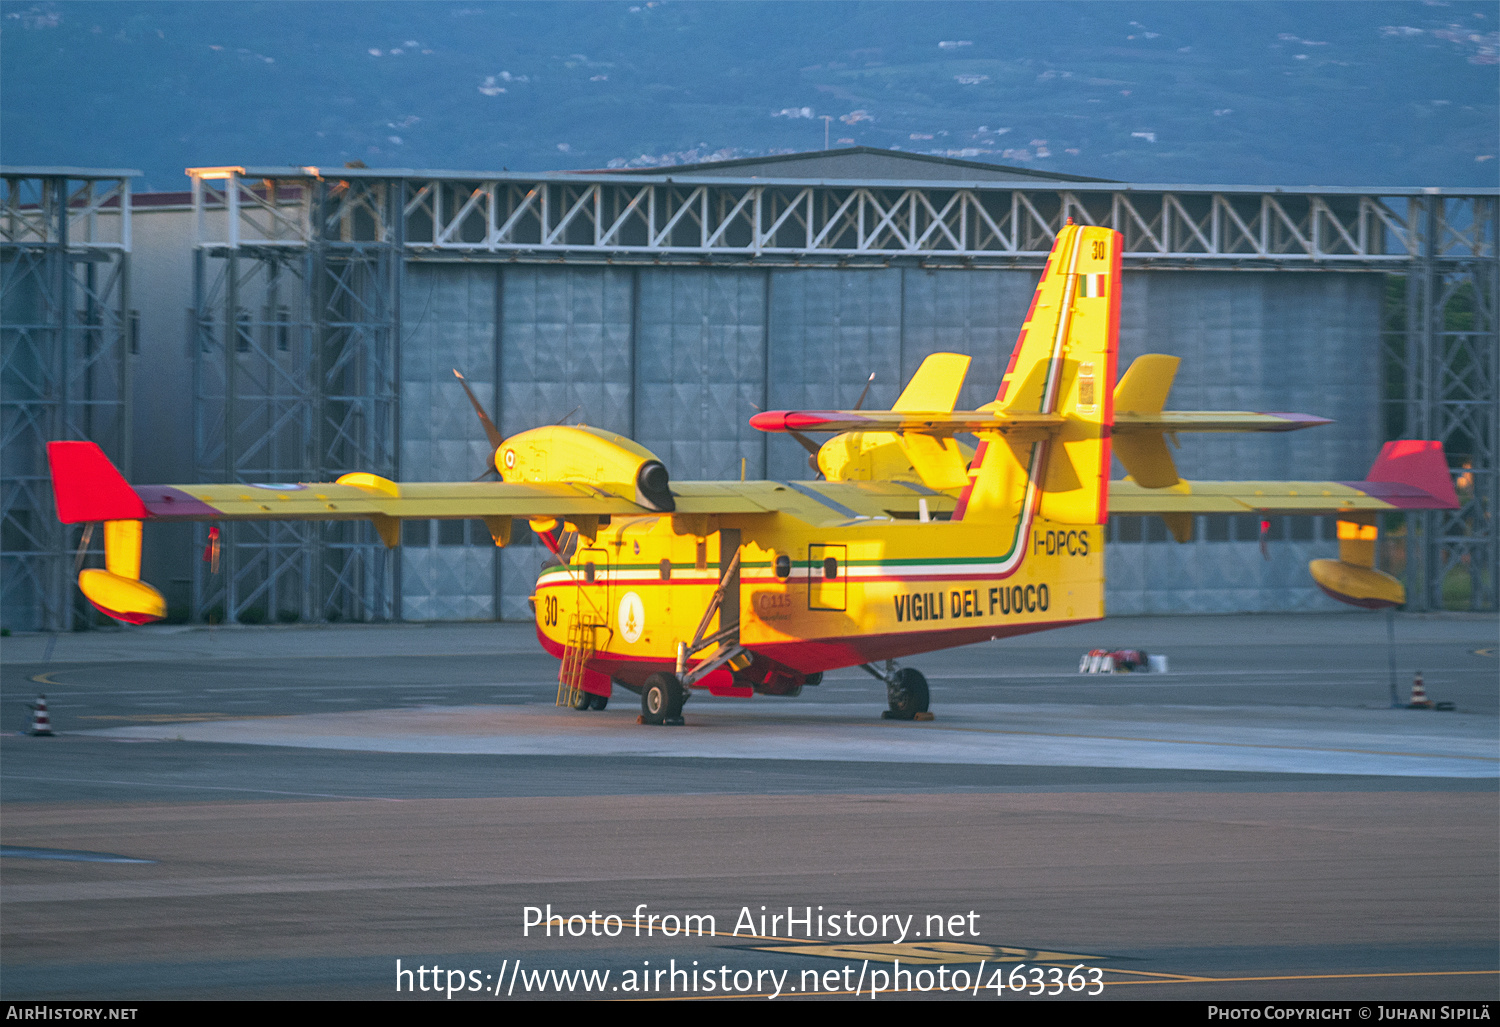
{"x":1064,"y":363}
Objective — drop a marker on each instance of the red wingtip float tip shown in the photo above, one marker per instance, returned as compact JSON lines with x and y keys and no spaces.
{"x":770,"y":420}
{"x":797,"y":420}
{"x":801,"y":420}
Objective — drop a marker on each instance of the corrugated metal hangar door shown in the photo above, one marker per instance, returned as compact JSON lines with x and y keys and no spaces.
{"x":680,"y":358}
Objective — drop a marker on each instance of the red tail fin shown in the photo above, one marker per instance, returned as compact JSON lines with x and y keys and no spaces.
{"x":1419,"y":464}
{"x":87,"y":487}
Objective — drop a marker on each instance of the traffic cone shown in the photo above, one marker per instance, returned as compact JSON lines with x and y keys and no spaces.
{"x":1097,"y":661}
{"x":1419,"y":700}
{"x":41,"y":724}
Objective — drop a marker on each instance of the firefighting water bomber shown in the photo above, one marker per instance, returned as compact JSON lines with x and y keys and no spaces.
{"x":911,"y":540}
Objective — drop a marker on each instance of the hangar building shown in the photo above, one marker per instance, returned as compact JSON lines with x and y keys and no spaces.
{"x":320,"y":312}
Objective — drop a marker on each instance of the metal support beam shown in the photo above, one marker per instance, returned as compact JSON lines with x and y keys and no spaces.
{"x":295,"y":380}
{"x":64,"y":368}
{"x":1449,"y":360}
{"x":658,"y":218}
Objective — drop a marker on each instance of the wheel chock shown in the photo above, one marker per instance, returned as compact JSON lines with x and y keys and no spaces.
{"x":924,"y":715}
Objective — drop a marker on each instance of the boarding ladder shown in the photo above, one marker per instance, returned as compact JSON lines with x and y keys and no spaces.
{"x":575,"y":658}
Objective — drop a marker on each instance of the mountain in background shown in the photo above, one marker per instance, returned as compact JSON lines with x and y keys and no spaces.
{"x":1255,"y":93}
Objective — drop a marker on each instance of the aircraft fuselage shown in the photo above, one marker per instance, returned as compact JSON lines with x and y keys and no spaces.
{"x":810,"y":598}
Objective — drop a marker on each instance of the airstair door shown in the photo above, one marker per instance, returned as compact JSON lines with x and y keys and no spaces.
{"x":592,"y":574}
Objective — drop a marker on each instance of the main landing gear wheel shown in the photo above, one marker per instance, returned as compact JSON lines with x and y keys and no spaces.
{"x":661,"y":699}
{"x":598,"y":702}
{"x":582,"y":700}
{"x":907,"y":695}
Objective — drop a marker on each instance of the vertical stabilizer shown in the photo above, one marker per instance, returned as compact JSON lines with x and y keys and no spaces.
{"x":1063,"y":364}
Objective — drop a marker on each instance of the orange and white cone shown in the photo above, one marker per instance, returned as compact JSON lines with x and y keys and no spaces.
{"x":41,"y":724}
{"x":1097,"y":661}
{"x":1419,"y":700}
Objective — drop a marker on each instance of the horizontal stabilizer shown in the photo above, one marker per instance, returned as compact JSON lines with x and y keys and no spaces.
{"x":928,"y":422}
{"x":1214,"y":421}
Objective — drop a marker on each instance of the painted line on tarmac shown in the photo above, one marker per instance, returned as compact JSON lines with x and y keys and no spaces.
{"x":71,"y":855}
{"x":1225,"y":745}
{"x":160,"y":718}
{"x":193,"y":788}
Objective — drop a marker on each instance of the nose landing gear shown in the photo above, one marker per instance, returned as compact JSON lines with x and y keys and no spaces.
{"x":905,"y":691}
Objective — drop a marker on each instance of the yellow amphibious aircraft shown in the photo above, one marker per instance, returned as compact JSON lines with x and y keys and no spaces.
{"x":912,"y":542}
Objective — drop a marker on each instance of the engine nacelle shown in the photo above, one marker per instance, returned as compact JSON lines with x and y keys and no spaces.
{"x":888,"y":456}
{"x":591,"y":456}
{"x":864,"y":456}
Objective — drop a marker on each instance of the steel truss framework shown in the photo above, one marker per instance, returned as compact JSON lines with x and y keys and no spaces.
{"x":295,"y":379}
{"x":344,"y":237}
{"x":1444,"y":353}
{"x":65,"y":369}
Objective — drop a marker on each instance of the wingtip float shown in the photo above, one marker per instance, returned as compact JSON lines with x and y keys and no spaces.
{"x":913,"y":541}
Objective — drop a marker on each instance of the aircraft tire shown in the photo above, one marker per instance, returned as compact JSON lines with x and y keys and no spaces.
{"x":661,"y":699}
{"x":598,"y":702}
{"x":582,"y":700}
{"x":907,"y":695}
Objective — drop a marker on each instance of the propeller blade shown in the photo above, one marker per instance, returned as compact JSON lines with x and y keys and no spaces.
{"x":859,"y":403}
{"x":490,"y":431}
{"x":807,"y":443}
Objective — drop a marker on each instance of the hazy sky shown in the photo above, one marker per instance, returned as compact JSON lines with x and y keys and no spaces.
{"x":1287,"y":93}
